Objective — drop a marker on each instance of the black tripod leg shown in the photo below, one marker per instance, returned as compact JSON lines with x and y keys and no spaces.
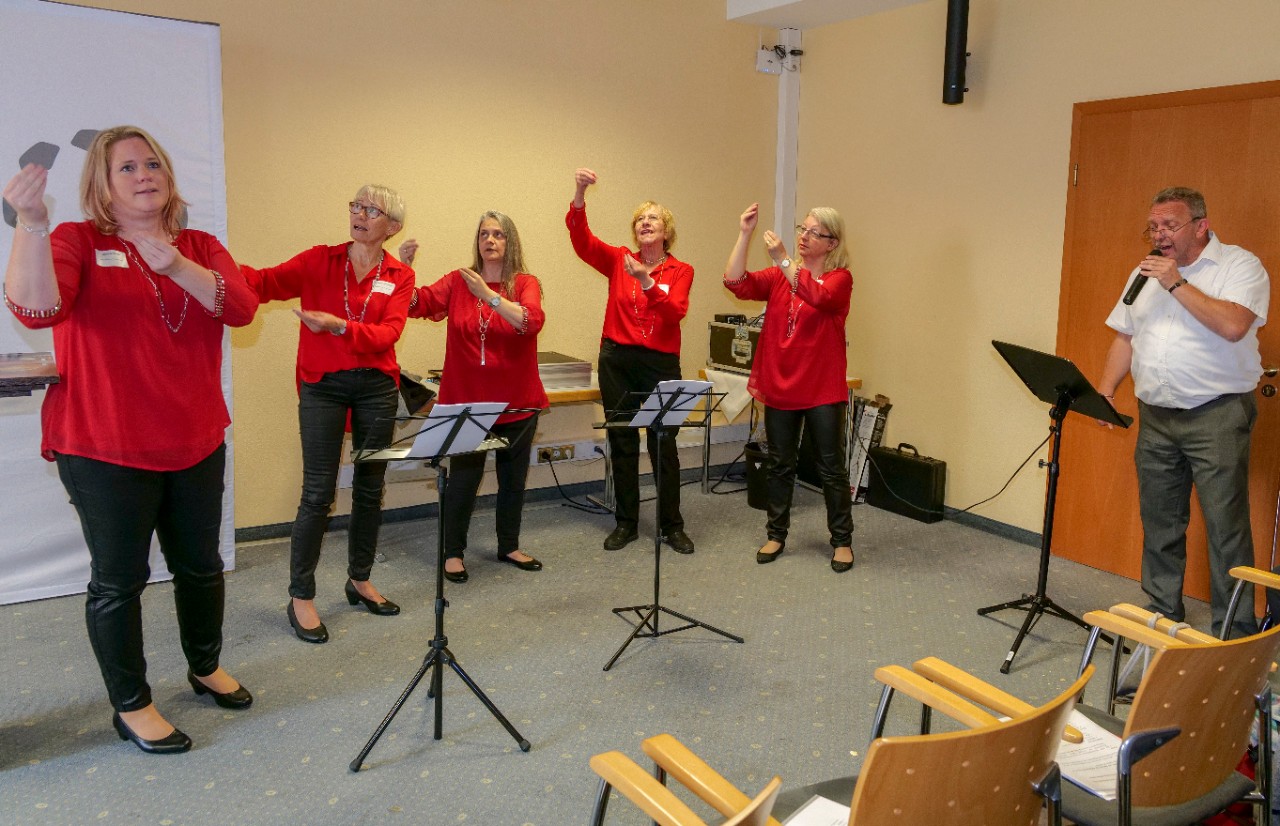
{"x":1014,"y":603}
{"x":1033,"y":614}
{"x":701,"y":624}
{"x":431,"y":659}
{"x":482,"y":697}
{"x":645,"y":622}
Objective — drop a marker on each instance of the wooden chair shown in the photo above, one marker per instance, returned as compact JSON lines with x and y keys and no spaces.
{"x":998,"y":772}
{"x":1187,"y":729}
{"x":673,"y":759}
{"x":1245,"y":577}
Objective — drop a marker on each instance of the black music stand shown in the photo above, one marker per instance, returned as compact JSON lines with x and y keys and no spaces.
{"x":1056,"y":381}
{"x":666,"y":408}
{"x":449,"y":430}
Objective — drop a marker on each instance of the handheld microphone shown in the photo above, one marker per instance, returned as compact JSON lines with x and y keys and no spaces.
{"x":1138,"y":283}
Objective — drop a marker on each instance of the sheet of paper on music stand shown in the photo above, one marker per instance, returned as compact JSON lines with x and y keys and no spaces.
{"x":440,"y":422}
{"x":687,"y":395}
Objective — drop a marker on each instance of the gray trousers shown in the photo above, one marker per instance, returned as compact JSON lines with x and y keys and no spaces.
{"x":1207,"y":446}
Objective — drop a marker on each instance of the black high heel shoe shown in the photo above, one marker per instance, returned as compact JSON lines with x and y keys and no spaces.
{"x":240,"y":698}
{"x":318,"y":634}
{"x":763,"y":558}
{"x":175,"y":743}
{"x":386,"y":608}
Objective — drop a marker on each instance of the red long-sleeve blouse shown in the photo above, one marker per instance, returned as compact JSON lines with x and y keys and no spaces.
{"x":800,"y":358}
{"x":646,"y":318}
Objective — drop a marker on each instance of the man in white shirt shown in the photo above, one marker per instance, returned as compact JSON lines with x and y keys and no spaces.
{"x":1190,"y":340}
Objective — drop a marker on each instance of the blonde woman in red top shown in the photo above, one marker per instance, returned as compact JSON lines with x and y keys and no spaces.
{"x":640,"y":346}
{"x":494,"y":314}
{"x":139,"y":306}
{"x":799,"y":368}
{"x":354,"y":298}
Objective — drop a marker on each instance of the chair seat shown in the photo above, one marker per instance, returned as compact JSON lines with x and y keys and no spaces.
{"x":839,"y":789}
{"x":1088,"y":809}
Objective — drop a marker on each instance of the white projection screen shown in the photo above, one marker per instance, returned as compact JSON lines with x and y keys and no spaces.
{"x":66,"y":72}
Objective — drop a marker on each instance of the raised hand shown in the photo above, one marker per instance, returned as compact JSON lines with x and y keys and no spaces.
{"x":408,"y":251}
{"x":582,"y":178}
{"x":475,"y":283}
{"x":25,"y":193}
{"x":751,"y":217}
{"x":774,"y":246}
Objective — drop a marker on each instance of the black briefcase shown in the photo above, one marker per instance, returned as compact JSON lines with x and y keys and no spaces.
{"x":907,"y":483}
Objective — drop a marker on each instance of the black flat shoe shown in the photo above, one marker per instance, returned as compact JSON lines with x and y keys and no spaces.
{"x":530,"y":564}
{"x":386,"y":608}
{"x":620,"y":538}
{"x":460,"y":576}
{"x":841,"y":567}
{"x":175,"y":743}
{"x":317,"y":635}
{"x":763,"y":558}
{"x":240,"y":698}
{"x":679,"y":542}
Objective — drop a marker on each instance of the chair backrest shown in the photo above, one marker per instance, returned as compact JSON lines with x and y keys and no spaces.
{"x":978,"y":776}
{"x":1208,"y":692}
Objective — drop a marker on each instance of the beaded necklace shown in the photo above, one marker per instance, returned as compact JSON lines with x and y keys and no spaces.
{"x":793,"y":311}
{"x":482,"y":322}
{"x":349,"y":275}
{"x":164,"y":314}
{"x":635,"y":298}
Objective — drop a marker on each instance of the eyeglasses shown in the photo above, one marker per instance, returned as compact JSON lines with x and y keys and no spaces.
{"x":810,"y":232}
{"x":370,"y":212}
{"x":1151,"y":233}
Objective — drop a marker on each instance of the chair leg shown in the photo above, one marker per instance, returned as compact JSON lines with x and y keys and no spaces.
{"x":1050,"y":788}
{"x":602,"y":803}
{"x":882,"y":713}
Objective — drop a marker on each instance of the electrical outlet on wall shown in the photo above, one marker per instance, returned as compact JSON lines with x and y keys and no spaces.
{"x":767,"y":61}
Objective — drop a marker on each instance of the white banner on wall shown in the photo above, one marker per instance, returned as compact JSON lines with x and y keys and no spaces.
{"x":65,"y":73}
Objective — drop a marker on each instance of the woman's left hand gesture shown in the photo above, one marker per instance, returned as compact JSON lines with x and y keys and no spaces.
{"x":774,"y":246}
{"x":162,"y":257}
{"x":318,"y":321}
{"x":476,"y":284}
{"x":638,"y":270}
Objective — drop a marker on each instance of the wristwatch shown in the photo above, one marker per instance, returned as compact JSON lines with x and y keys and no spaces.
{"x":785,"y":263}
{"x":1177,"y":284}
{"x":495,"y":301}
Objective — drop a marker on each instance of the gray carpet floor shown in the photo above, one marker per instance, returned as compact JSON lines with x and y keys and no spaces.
{"x":795,"y":699}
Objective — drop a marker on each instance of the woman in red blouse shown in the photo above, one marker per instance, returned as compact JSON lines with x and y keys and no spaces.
{"x":799,"y":367}
{"x":640,"y":346}
{"x":139,"y":306}
{"x":354,"y":298}
{"x":494,"y":313}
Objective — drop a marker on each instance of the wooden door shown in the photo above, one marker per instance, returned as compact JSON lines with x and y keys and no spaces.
{"x":1224,"y":142}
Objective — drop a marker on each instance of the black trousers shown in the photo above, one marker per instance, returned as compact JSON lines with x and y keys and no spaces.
{"x":369,"y":397}
{"x":120,"y":508}
{"x":626,"y":369}
{"x":826,"y":425}
{"x":465,"y":474}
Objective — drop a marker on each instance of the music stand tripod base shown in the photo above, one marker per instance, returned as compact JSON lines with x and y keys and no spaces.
{"x":1057,"y":381}
{"x":439,"y":654}
{"x":667,"y":400}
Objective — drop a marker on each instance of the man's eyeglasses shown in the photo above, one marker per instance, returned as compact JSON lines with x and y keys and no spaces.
{"x":1151,"y":233}
{"x":811,"y":232}
{"x":370,"y":212}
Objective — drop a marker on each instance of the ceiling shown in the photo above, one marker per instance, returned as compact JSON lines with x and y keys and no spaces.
{"x":805,"y":14}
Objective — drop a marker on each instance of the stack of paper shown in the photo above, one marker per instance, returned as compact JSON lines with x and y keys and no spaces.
{"x":559,"y":371}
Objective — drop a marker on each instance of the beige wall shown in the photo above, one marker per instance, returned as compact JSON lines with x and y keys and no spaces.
{"x":956,"y":213}
{"x":465,"y":107}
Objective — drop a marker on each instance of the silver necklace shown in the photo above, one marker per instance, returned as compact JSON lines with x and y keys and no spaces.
{"x":164,"y":314}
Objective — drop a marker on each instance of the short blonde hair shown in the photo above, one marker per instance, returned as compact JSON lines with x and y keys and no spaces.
{"x":95,"y":181}
{"x":668,"y":222}
{"x":832,"y":224}
{"x":386,"y":199}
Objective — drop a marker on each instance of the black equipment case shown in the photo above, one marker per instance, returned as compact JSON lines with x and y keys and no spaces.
{"x":919,"y":482}
{"x":731,"y":346}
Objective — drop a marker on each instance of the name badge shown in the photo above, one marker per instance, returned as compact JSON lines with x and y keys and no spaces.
{"x":384,"y":287}
{"x":666,"y":288}
{"x":111,"y":258}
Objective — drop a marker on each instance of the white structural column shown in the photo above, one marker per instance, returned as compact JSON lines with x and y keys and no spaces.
{"x":784,"y":204}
